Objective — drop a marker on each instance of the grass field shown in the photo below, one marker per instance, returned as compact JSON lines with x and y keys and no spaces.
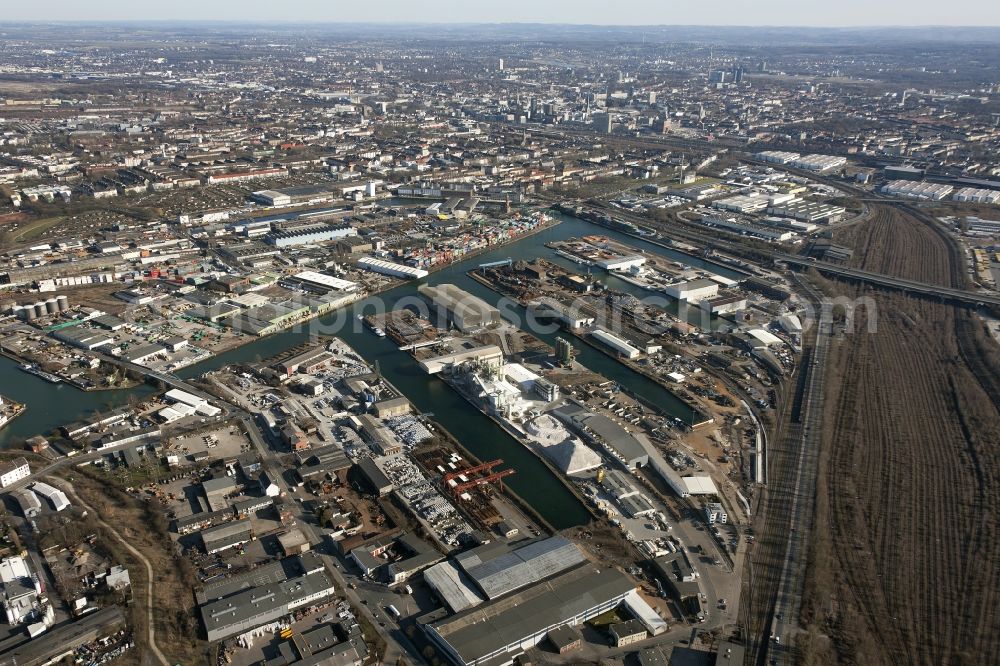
{"x":605,"y":619}
{"x":35,"y":229}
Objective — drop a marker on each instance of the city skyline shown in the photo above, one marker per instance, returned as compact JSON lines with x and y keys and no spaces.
{"x":772,"y":13}
{"x":468,"y":335}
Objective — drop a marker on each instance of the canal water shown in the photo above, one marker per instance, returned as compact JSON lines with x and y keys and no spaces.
{"x":50,"y":406}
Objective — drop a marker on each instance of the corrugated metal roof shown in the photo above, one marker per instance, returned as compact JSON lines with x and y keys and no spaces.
{"x":500,"y":626}
{"x":501,"y":573}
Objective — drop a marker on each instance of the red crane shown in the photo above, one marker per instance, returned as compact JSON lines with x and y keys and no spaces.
{"x":489,"y":477}
{"x":494,"y":477}
{"x":485,"y":467}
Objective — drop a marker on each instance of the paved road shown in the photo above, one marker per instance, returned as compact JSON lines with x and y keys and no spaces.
{"x":397,"y":645}
{"x":877,"y":279}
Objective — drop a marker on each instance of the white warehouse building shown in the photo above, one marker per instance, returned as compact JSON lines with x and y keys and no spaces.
{"x":693,"y":290}
{"x":977,"y":195}
{"x":391,"y":268}
{"x":621,"y":263}
{"x":55,"y":496}
{"x":912,"y":189}
{"x":614,"y":342}
{"x":466,"y":311}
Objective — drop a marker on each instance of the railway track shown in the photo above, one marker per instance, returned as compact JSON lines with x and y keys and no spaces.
{"x":778,"y":563}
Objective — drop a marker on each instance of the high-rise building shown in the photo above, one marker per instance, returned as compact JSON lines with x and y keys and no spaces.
{"x":500,"y":67}
{"x":717,"y":76}
{"x":564,"y":351}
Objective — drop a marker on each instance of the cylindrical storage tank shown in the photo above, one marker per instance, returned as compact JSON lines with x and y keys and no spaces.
{"x":40,"y":309}
{"x":29,"y":312}
{"x":18,"y":311}
{"x":51,"y":307}
{"x":63,"y":303}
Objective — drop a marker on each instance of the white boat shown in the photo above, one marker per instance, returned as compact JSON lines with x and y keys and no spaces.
{"x":38,"y":372}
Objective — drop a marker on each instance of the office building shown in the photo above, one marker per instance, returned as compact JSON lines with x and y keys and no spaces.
{"x":628,"y":632}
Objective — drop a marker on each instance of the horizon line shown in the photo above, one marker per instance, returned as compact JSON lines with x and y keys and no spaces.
{"x":304,"y":21}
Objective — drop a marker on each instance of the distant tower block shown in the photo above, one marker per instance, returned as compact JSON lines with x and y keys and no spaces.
{"x":500,"y":65}
{"x":564,"y":351}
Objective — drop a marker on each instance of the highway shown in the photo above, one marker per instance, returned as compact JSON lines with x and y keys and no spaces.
{"x":911,"y":287}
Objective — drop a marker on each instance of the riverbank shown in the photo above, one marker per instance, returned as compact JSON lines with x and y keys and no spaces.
{"x":223,"y":387}
{"x":697,"y":415}
{"x":395,"y":284}
{"x":246,"y":340}
{"x":508,"y":492}
{"x":53,"y":405}
{"x":525,"y":442}
{"x":725,"y":263}
{"x":10,"y":410}
{"x":31,"y":367}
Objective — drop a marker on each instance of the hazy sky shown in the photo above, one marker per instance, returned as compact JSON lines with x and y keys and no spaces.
{"x":628,"y":12}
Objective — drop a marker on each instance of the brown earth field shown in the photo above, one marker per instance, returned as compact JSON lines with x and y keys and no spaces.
{"x":904,"y":564}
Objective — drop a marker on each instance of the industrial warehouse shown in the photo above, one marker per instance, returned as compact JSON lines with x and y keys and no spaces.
{"x":497,"y":632}
{"x":309,"y":234}
{"x":459,"y":307}
{"x":241,"y":603}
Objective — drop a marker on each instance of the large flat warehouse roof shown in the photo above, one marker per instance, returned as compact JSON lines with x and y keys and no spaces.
{"x":502,"y":626}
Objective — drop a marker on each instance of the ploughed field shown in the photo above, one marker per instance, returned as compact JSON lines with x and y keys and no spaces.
{"x":905,"y":561}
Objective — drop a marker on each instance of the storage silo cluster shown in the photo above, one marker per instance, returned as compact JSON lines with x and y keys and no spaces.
{"x":47,"y":308}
